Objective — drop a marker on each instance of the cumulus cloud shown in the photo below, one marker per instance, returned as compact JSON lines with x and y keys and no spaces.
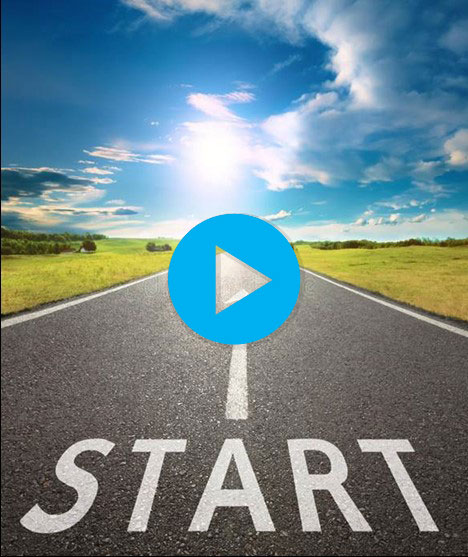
{"x":386,"y":96}
{"x":281,"y":170}
{"x":124,"y":155}
{"x":457,"y":148}
{"x":264,"y":148}
{"x":404,"y":201}
{"x":450,"y":222}
{"x":377,"y":221}
{"x":280,"y":215}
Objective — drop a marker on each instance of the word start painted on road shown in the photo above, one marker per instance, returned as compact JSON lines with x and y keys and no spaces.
{"x":249,"y":496}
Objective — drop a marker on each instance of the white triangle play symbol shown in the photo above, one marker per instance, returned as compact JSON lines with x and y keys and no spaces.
{"x":235,"y":280}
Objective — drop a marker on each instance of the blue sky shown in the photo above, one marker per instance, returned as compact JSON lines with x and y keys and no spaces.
{"x":140,"y":118}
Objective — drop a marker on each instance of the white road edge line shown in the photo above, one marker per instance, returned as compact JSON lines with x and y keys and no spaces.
{"x":446,"y":326}
{"x":9,"y":321}
{"x":237,"y":396}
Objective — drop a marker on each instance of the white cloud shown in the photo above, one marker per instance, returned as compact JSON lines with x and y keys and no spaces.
{"x":457,"y":148}
{"x":268,"y":149}
{"x":164,"y":10}
{"x":96,"y":170}
{"x":102,"y":180}
{"x":376,"y":221}
{"x":437,"y":190}
{"x":35,"y":215}
{"x":383,"y":171}
{"x":216,"y":105}
{"x":147,"y":7}
{"x":52,"y":214}
{"x":281,"y":170}
{"x":211,"y":105}
{"x":115,"y":202}
{"x":428,"y":170}
{"x":450,"y":222}
{"x":124,"y":155}
{"x":280,"y":215}
{"x":386,"y":95}
{"x":279,"y":66}
{"x":290,"y":128}
{"x":238,"y":97}
{"x":399,"y":202}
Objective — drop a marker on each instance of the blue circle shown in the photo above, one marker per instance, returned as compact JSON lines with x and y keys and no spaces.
{"x":192,"y":279}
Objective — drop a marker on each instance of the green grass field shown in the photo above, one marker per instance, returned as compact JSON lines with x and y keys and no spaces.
{"x":31,"y":280}
{"x":431,"y":278}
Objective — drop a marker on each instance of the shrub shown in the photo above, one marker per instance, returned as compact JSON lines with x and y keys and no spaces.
{"x":88,"y":245}
{"x":151,"y":246}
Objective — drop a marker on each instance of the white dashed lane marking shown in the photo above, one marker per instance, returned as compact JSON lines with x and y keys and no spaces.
{"x":237,"y":405}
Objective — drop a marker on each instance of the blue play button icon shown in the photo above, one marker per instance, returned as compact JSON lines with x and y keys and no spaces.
{"x":234,"y":279}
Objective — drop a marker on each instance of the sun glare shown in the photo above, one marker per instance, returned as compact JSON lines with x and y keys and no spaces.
{"x":215,"y":155}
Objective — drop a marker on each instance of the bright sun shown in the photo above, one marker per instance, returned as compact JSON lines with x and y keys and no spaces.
{"x":215,"y":152}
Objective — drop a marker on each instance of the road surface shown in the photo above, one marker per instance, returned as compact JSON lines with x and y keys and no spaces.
{"x":123,"y":367}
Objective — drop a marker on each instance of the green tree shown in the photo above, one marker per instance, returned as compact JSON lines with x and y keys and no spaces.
{"x":89,"y":245}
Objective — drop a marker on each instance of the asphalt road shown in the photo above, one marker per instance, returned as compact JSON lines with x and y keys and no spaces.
{"x":124,"y":367}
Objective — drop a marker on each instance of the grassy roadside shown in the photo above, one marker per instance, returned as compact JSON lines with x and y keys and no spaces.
{"x":31,"y":280}
{"x":431,"y":278}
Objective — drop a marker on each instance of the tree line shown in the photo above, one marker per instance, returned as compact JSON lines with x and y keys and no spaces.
{"x":370,"y":244}
{"x":28,"y":247}
{"x":23,"y":242}
{"x":60,"y":237}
